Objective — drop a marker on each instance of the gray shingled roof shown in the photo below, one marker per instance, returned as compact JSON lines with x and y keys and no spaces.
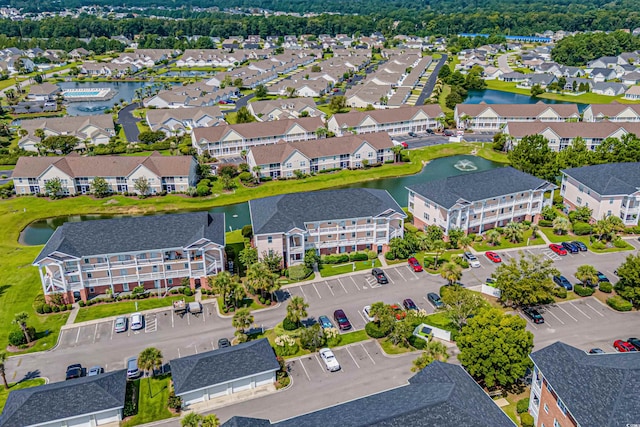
{"x":608,"y":179}
{"x":599,"y":390}
{"x":280,"y":214}
{"x":50,"y":402}
{"x":441,"y":395}
{"x":223,"y":365}
{"x":477,"y":186}
{"x":118,"y":235}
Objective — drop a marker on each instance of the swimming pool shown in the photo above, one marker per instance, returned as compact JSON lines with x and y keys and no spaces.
{"x":97,"y":93}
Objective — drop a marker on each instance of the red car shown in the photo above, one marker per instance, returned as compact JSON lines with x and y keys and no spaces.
{"x":494,"y":257}
{"x":414,"y":264}
{"x":623,"y":346}
{"x":558,"y":249}
{"x":404,"y":144}
{"x":400,"y":314}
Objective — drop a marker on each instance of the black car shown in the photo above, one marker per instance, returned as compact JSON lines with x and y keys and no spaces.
{"x":562,"y":281}
{"x":413,"y":134}
{"x":602,"y":277}
{"x":74,"y":371}
{"x":448,"y":132}
{"x":342,"y":320}
{"x":533,"y":314}
{"x":223,"y":342}
{"x":634,"y":342}
{"x":430,"y":131}
{"x":570,"y":247}
{"x":435,"y":300}
{"x":581,"y":246}
{"x":380,"y":276}
{"x":409,"y":304}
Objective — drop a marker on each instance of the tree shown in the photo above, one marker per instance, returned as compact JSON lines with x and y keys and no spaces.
{"x":533,"y":156}
{"x":525,"y":280}
{"x":297,"y":309}
{"x":228,"y":183}
{"x":321,"y":132}
{"x":3,"y":374}
{"x":242,"y":319}
{"x":397,"y":150}
{"x":20,"y":319}
{"x":437,"y":248}
{"x":100,"y":187}
{"x":63,"y":144}
{"x":536,"y":90}
{"x":434,"y":350}
{"x":582,"y":214}
{"x":383,"y":315}
{"x":587,"y":274}
{"x":273,"y":260}
{"x":261,"y":91}
{"x":549,"y":213}
{"x":561,"y":225}
{"x":149,"y":360}
{"x":628,"y":287}
{"x":260,"y":278}
{"x":455,"y":234}
{"x":210,"y":420}
{"x":494,"y":347}
{"x":312,"y":338}
{"x":311,"y":258}
{"x":400,"y":333}
{"x":141,"y":185}
{"x":53,"y":187}
{"x":606,"y":228}
{"x":249,"y":255}
{"x":222,"y":285}
{"x":151,"y":137}
{"x":460,"y":304}
{"x":244,"y":115}
{"x":452,"y":272}
{"x":237,"y":82}
{"x":337,"y":103}
{"x":513,"y":232}
{"x":192,"y":419}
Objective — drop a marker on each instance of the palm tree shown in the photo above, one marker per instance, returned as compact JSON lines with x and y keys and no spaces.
{"x":260,"y":278}
{"x":587,"y":274}
{"x":452,"y":272}
{"x":321,"y":132}
{"x":20,"y":319}
{"x":513,"y":232}
{"x":465,"y":241}
{"x":493,"y":237}
{"x":397,"y":149}
{"x":210,"y":420}
{"x":150,"y":359}
{"x":242,"y":320}
{"x":256,"y":170}
{"x":192,"y":419}
{"x":221,"y":285}
{"x":435,"y":350}
{"x":3,"y":374}
{"x":561,"y":225}
{"x":437,"y":247}
{"x":297,"y":309}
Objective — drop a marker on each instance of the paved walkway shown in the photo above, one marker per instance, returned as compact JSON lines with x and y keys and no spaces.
{"x":73,"y":314}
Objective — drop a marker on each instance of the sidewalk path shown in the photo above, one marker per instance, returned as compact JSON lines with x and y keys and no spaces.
{"x":73,"y":314}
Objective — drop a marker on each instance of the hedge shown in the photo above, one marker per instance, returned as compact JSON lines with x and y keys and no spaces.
{"x":583,"y":291}
{"x":559,"y":292}
{"x":335,"y":259}
{"x":358,"y":256}
{"x":298,"y":272}
{"x":545,"y":223}
{"x":288,"y":325}
{"x":581,"y":228}
{"x":619,"y":304}
{"x":522,"y":405}
{"x":374,"y":331}
{"x":417,"y":343}
{"x":526,"y":419}
{"x":606,"y":287}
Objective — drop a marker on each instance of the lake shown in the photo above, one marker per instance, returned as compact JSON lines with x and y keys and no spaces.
{"x":237,"y":216}
{"x":491,"y":96}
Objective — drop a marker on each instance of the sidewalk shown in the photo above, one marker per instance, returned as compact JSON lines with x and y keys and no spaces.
{"x":73,"y":314}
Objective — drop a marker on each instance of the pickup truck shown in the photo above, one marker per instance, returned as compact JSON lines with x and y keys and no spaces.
{"x":180,"y":307}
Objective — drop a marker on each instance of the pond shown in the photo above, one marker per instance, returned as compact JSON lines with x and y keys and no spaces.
{"x":491,"y":96}
{"x":236,"y":216}
{"x":123,"y":90}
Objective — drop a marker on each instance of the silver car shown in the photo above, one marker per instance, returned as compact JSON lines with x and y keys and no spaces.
{"x":121,"y":324}
{"x":137,"y":320}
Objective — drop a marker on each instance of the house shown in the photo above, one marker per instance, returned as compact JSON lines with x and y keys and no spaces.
{"x":371,"y":93}
{"x":82,"y":402}
{"x":143,"y":58}
{"x":116,"y":255}
{"x":179,"y":121}
{"x":96,"y":129}
{"x":329,"y":221}
{"x":602,"y":397}
{"x":479,"y":201}
{"x":79,"y":53}
{"x":543,"y":80}
{"x":232,"y":140}
{"x":395,"y":121}
{"x":76,"y":173}
{"x":43,"y":92}
{"x":614,"y":112}
{"x":514,"y":76}
{"x":441,"y":395}
{"x":279,"y":109}
{"x":494,"y":116}
{"x":632,"y":78}
{"x":305,"y":88}
{"x":633,"y":93}
{"x":605,"y":62}
{"x":347,"y":152}
{"x":607,"y":189}
{"x":608,"y":88}
{"x":599,"y":75}
{"x":223,"y":372}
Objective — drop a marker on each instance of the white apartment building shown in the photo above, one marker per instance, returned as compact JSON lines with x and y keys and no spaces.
{"x":613,"y":112}
{"x":492,"y":117}
{"x":394,"y":121}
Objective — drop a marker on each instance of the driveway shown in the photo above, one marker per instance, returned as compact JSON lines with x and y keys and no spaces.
{"x":503,"y":64}
{"x":6,"y":173}
{"x":428,"y":87}
{"x":128,"y":122}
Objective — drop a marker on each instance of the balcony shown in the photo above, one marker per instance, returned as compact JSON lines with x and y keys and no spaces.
{"x":96,"y":266}
{"x":176,"y":273}
{"x":103,"y":281}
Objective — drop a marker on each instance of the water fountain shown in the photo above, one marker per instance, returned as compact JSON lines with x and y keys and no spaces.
{"x":465,"y":165}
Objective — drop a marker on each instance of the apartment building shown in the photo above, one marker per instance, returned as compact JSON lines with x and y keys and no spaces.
{"x":330,"y":221}
{"x":179,"y":121}
{"x":493,"y":117}
{"x":97,"y":129}
{"x":395,"y":121}
{"x":607,"y":189}
{"x":478,"y":201}
{"x":571,"y":388}
{"x":278,"y":109}
{"x":116,"y":255}
{"x":76,"y":173}
{"x":347,"y":152}
{"x":614,"y":112}
{"x":232,"y":140}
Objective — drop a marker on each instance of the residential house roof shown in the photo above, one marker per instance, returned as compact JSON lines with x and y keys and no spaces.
{"x":613,"y":109}
{"x":602,"y":129}
{"x":66,"y":399}
{"x":158,"y":118}
{"x":475,"y":186}
{"x":608,"y":179}
{"x":220,"y":366}
{"x":74,"y":125}
{"x":597,"y":389}
{"x":518,"y":110}
{"x":279,"y":214}
{"x":393,"y":115}
{"x":290,"y":108}
{"x":441,"y":395}
{"x":120,"y":235}
{"x":43,"y":89}
{"x":257,"y":129}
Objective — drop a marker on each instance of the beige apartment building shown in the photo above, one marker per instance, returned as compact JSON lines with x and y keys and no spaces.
{"x":492,"y":117}
{"x":394,"y":121}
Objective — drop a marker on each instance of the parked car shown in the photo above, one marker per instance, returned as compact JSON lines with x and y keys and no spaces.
{"x":602,"y":277}
{"x":367,"y":313}
{"x":414,"y":264}
{"x":580,"y":245}
{"x":325,"y":323}
{"x":223,"y":343}
{"x":342,"y":320}
{"x":121,"y":324}
{"x":429,"y":131}
{"x":558,"y":249}
{"x":634,"y":342}
{"x":596,"y":351}
{"x":623,"y":346}
{"x":137,"y":320}
{"x":404,"y":144}
{"x":493,"y":257}
{"x":413,"y":134}
{"x":132,"y":368}
{"x":398,"y":311}
{"x":449,"y":132}
{"x":570,"y":247}
{"x":435,"y":300}
{"x":533,"y":314}
{"x":95,"y":370}
{"x":74,"y":371}
{"x":329,"y":359}
{"x":381,"y":278}
{"x":409,"y":304}
{"x":562,"y":281}
{"x":472,"y":260}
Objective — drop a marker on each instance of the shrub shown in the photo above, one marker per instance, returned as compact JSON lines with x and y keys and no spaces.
{"x":526,"y":419}
{"x":410,"y":228}
{"x":460,"y":261}
{"x":598,"y":245}
{"x":417,"y":343}
{"x":245,"y":177}
{"x":81,"y":303}
{"x":56,"y":309}
{"x":583,"y":291}
{"x":174,"y":402}
{"x":203,"y":190}
{"x":40,"y":309}
{"x":606,"y":287}
{"x":17,"y":338}
{"x":247,"y":231}
{"x":559,"y":292}
{"x":288,"y":325}
{"x":619,"y":243}
{"x":374,"y":331}
{"x":522,"y":405}
{"x":581,"y":228}
{"x":47,"y":308}
{"x":358,"y":256}
{"x":619,"y":304}
{"x":69,"y":306}
{"x":372,"y":255}
{"x":298,"y":272}
{"x":187,"y":291}
{"x":545,"y":223}
{"x":389,"y":256}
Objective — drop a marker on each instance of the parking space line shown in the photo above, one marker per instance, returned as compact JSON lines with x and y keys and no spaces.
{"x":314,"y":287}
{"x":414,"y":274}
{"x":557,"y":318}
{"x":78,"y":335}
{"x":362,"y":315}
{"x":597,"y":312}
{"x":365,"y":350}
{"x":172,"y":324}
{"x":304,"y":369}
{"x":196,"y":348}
{"x":566,"y":313}
{"x":113,"y":326}
{"x":304,"y":295}
{"x":352,"y":358}
{"x":320,"y":363}
{"x":345,"y":289}
{"x":95,"y":332}
{"x":328,"y":286}
{"x":530,"y":322}
{"x":188,"y":321}
{"x":179,"y":352}
{"x":400,"y":273}
{"x":585,"y":314}
{"x":354,"y":283}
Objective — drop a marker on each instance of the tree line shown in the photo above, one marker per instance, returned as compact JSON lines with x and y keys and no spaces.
{"x":579,"y":49}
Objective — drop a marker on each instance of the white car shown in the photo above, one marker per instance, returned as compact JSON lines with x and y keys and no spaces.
{"x":472,"y":260}
{"x":366,"y":311}
{"x":136,"y":322}
{"x":329,"y":360}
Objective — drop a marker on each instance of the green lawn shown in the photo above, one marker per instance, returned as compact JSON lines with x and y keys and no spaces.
{"x":352,"y":337}
{"x":440,"y":320}
{"x":391,"y":348}
{"x":505,"y":244}
{"x":328,"y":270}
{"x":234,"y":236}
{"x":101,"y":311}
{"x":152,"y":405}
{"x":555,"y":238}
{"x":247,"y":302}
{"x":446,"y":90}
{"x":4,"y":394}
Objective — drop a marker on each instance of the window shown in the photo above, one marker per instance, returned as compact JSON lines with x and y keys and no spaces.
{"x":426,"y":216}
{"x":546,"y":408}
{"x":170,"y":281}
{"x":611,"y":201}
{"x":288,"y":165}
{"x":581,"y":189}
{"x":358,"y":156}
{"x":579,"y":200}
{"x":186,"y":265}
{"x":89,"y":276}
{"x":556,"y":423}
{"x":608,"y":213}
{"x":92,"y":290}
{"x":427,"y":204}
{"x":562,"y":407}
{"x":125,"y":287}
{"x":168,"y":267}
{"x":303,"y":164}
{"x":269,"y":239}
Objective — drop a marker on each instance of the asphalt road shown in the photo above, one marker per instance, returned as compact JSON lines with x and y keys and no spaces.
{"x":128,"y":122}
{"x":6,"y":173}
{"x":431,"y":82}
